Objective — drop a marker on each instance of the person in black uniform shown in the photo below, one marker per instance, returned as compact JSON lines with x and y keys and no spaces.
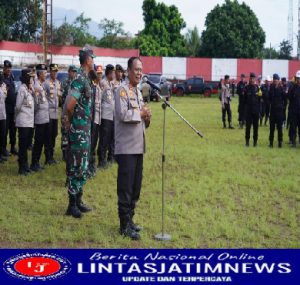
{"x":10,"y":104}
{"x":277,"y":103}
{"x":294,"y":108}
{"x":241,"y":107}
{"x":265,"y":102}
{"x":286,"y":92}
{"x":252,"y":104}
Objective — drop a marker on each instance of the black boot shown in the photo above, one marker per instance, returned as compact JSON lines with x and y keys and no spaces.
{"x":80,"y":205}
{"x":72,"y":207}
{"x":27,"y":169}
{"x":102,"y":164}
{"x":271,"y":144}
{"x":224,"y":125}
{"x":230,"y":126}
{"x":127,"y":230}
{"x":22,"y":171}
{"x":247,"y":143}
{"x":13,"y":151}
{"x":5,"y":153}
{"x":280,"y":144}
{"x":134,"y":226}
{"x":35,"y":167}
{"x":255,"y":143}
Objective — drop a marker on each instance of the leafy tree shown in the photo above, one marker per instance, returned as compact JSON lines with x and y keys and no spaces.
{"x":20,"y":20}
{"x":232,"y":31}
{"x":75,"y":33}
{"x":114,"y":35}
{"x":161,"y":35}
{"x":193,"y":42}
{"x":270,"y":53}
{"x":286,"y":49}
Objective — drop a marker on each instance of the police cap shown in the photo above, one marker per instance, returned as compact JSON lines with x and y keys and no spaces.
{"x":7,"y":63}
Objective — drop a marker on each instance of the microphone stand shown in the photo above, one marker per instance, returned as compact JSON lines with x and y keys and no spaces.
{"x":163,"y":236}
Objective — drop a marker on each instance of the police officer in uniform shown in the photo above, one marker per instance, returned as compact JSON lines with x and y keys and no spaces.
{"x":53,"y":92}
{"x":107,"y":118}
{"x":72,"y":73}
{"x":25,"y":117}
{"x":252,"y":106}
{"x":118,"y":76}
{"x":10,"y":104}
{"x":241,"y":107}
{"x":96,"y":118}
{"x":77,"y":123}
{"x":225,"y":102}
{"x":41,"y":117}
{"x":3,"y":94}
{"x":277,"y":102}
{"x":294,"y":108}
{"x":130,"y":122}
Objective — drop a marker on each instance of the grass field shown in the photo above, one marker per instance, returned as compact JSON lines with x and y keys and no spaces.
{"x":219,"y":194}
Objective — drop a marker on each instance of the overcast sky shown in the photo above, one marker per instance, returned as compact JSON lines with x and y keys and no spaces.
{"x":272,"y":14}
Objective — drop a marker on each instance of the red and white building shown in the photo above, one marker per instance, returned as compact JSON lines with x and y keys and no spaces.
{"x":212,"y":69}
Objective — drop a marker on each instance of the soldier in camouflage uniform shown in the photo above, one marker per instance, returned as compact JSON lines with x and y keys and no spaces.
{"x":65,"y":87}
{"x":77,"y":122}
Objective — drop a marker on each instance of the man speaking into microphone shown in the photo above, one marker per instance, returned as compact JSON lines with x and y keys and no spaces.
{"x":131,"y":119}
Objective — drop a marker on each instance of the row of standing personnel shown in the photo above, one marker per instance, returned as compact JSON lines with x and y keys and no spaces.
{"x":40,"y":116}
{"x":259,"y":103}
{"x":31,"y":111}
{"x":91,"y":107}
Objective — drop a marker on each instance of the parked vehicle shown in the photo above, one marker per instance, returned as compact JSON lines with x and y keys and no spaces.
{"x":195,"y":85}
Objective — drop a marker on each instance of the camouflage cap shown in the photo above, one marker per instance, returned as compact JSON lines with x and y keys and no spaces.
{"x":87,"y":50}
{"x":72,"y":67}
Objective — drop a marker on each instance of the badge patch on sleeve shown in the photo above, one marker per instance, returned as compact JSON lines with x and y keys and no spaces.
{"x":122,"y":93}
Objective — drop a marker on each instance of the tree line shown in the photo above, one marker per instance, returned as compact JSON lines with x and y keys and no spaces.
{"x":232,"y":30}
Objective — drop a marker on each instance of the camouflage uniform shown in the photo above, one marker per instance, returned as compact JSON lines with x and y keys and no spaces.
{"x":79,"y":133}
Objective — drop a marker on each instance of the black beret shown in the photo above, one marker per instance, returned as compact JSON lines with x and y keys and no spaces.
{"x":41,"y":67}
{"x":7,"y":63}
{"x":119,"y":67}
{"x":109,"y":67}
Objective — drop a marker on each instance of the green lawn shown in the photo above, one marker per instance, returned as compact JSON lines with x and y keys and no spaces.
{"x":218,"y":193}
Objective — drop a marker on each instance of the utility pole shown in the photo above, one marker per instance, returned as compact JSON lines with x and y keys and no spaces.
{"x":298,"y":39}
{"x":291,"y":23}
{"x":47,"y":29}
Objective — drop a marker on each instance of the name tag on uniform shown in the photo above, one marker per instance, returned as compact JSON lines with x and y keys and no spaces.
{"x":134,"y":104}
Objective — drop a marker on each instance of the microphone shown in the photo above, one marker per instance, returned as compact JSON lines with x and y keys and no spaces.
{"x":146,"y":80}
